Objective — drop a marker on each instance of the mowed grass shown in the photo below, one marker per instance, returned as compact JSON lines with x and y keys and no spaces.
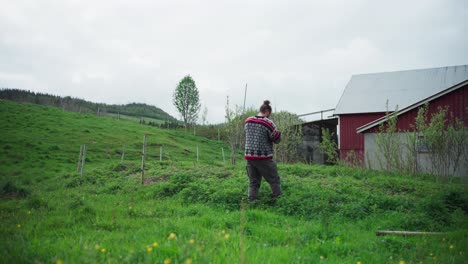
{"x":193,"y":212}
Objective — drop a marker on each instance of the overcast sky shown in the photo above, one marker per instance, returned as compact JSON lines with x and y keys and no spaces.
{"x":298,"y":54}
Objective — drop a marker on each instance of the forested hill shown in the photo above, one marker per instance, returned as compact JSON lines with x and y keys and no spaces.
{"x":79,"y":105}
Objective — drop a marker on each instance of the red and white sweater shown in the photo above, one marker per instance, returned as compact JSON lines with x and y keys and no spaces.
{"x":260,"y":134}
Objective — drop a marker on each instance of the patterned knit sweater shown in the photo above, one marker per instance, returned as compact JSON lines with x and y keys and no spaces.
{"x":260,"y":134}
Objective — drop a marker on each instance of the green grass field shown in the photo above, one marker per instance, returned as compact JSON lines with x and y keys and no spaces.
{"x":194,"y":212}
{"x":134,"y":118}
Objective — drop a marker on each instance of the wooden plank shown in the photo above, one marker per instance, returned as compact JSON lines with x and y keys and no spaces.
{"x":406,"y":233}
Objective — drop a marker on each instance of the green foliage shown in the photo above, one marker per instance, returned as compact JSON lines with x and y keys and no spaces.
{"x":439,"y":137}
{"x":329,"y":146}
{"x":186,"y":100}
{"x":291,"y":136}
{"x":327,"y":213}
{"x":446,"y":139}
{"x":9,"y":189}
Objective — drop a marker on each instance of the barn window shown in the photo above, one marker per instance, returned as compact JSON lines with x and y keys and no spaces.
{"x":421,"y":144}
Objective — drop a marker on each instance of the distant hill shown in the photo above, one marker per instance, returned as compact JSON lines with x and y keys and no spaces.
{"x":79,"y":105}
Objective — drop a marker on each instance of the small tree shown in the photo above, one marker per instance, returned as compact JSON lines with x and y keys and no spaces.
{"x":329,"y":146}
{"x":186,"y":100}
{"x":388,"y":143}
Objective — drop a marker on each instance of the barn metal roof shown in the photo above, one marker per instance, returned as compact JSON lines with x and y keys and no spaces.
{"x":369,"y":93}
{"x":379,"y":121}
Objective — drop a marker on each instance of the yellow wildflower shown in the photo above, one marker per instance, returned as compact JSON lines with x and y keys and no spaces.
{"x":359,"y":262}
{"x":226,"y":236}
{"x":402,"y":262}
{"x":192,"y":241}
{"x":188,"y":261}
{"x":18,"y":225}
{"x":322,"y":257}
{"x":97,"y":247}
{"x":155,"y":244}
{"x":149,"y":249}
{"x":167,"y":261}
{"x":103,"y":250}
{"x":59,"y":261}
{"x":452,"y":246}
{"x":172,"y":236}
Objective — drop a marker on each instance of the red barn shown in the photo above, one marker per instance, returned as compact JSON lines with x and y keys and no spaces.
{"x":367,"y":97}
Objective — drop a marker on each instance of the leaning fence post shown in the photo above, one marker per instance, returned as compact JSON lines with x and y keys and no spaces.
{"x":123,"y":154}
{"x":143,"y":155}
{"x":83,"y":160}
{"x":79,"y":159}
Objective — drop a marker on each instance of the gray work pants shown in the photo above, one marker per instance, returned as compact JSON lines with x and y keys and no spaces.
{"x":266,"y":168}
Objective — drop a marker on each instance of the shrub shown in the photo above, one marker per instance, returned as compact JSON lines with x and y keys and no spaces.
{"x":456,"y":199}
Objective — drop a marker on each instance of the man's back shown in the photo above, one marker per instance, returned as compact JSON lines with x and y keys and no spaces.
{"x":260,"y":134}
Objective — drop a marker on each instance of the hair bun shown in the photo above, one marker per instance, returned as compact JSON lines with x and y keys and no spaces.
{"x":266,"y":102}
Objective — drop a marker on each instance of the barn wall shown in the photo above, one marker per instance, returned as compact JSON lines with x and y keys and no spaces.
{"x":375,"y":160}
{"x":350,"y":140}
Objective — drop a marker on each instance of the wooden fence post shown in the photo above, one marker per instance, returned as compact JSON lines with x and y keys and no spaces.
{"x":83,"y":160}
{"x":224,"y":160}
{"x":143,"y":155}
{"x":123,"y":154}
{"x":79,"y":159}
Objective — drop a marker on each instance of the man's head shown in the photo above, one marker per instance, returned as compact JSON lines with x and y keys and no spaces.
{"x":265,"y":108}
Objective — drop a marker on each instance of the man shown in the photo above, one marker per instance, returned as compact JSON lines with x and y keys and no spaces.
{"x":260,"y":134}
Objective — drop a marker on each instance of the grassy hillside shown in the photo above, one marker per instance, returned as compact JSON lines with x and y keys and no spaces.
{"x":129,"y":111}
{"x":193,"y":212}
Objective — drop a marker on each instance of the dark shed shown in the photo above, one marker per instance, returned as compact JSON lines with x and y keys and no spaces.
{"x":312,"y":137}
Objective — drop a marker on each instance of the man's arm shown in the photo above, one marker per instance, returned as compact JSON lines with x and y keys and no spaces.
{"x":275,"y":135}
